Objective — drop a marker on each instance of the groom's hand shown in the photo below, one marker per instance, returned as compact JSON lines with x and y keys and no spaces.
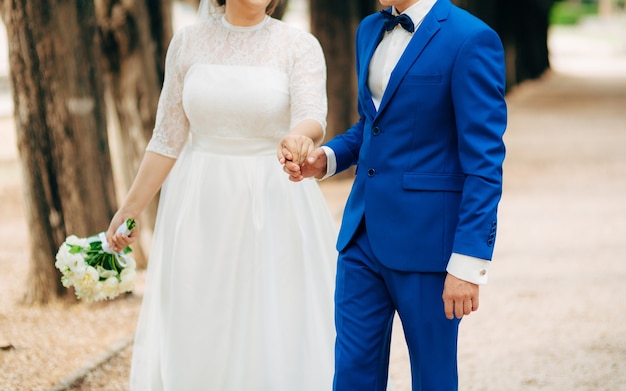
{"x":315,"y":164}
{"x":459,"y":297}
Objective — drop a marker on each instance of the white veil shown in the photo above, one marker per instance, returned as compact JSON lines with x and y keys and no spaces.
{"x":209,"y":9}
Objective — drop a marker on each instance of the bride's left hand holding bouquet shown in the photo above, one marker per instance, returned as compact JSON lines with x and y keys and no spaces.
{"x":96,"y":271}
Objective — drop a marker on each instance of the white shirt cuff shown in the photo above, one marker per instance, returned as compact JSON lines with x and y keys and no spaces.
{"x":331,"y":162}
{"x":471,"y":269}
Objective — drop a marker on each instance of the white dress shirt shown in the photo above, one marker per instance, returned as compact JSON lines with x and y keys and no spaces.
{"x":383,"y":62}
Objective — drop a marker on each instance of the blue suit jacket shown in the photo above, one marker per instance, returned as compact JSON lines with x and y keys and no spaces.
{"x":429,"y":161}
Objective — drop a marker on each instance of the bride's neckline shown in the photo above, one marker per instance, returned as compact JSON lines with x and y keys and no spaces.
{"x":255,"y":27}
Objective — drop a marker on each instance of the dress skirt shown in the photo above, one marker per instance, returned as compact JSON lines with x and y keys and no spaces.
{"x":239,"y":288}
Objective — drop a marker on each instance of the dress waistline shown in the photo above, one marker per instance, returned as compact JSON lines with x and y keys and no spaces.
{"x":238,"y":146}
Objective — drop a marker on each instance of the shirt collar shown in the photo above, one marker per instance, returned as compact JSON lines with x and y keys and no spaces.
{"x":417,"y":11}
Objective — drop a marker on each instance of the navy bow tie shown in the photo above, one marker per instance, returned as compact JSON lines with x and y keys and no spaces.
{"x":403,"y":20}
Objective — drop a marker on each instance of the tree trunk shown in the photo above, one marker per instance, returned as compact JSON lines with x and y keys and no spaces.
{"x":523,"y":28}
{"x":334,"y":23}
{"x":134,"y":35}
{"x":61,"y":129}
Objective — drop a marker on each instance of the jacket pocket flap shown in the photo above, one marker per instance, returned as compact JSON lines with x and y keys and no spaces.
{"x":433,"y":182}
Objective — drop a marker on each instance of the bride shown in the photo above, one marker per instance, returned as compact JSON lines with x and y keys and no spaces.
{"x":239,"y":288}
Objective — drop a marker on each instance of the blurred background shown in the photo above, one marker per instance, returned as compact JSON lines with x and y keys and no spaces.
{"x":79,"y":84}
{"x":62,"y":59}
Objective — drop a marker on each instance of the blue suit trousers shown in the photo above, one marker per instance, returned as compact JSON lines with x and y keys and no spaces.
{"x":367,"y":296}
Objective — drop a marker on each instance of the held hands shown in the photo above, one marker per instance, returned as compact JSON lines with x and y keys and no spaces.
{"x":459,"y":297}
{"x":294,"y":148}
{"x":300,"y":158}
{"x":118,"y":242}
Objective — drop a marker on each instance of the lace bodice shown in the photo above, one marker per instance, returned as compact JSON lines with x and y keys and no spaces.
{"x":227,"y":81}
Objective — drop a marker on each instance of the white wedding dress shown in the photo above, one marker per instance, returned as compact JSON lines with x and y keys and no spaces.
{"x":239,"y":289}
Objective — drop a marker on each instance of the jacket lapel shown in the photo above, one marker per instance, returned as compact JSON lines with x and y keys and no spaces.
{"x":422,"y":36}
{"x":366,"y":95}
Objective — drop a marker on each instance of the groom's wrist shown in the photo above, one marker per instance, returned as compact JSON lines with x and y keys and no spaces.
{"x":331,"y":163}
{"x":471,"y":269}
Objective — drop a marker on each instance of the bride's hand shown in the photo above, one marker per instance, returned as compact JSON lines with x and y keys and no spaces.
{"x":295,"y":148}
{"x":118,"y":241}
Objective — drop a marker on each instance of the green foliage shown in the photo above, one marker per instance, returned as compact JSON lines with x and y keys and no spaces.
{"x":570,"y":12}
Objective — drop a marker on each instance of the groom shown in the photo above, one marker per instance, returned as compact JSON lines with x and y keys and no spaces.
{"x":419,"y":225}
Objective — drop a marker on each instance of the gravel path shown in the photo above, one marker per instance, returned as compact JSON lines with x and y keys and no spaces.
{"x":550,"y":317}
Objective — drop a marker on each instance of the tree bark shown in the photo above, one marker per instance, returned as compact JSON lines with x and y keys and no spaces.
{"x":334,"y":23}
{"x":134,"y":35}
{"x":523,"y":28}
{"x":61,"y":129}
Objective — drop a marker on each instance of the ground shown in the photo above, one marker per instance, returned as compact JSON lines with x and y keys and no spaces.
{"x":551,"y":316}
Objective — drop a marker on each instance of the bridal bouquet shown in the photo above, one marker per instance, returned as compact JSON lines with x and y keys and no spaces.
{"x":94,"y":270}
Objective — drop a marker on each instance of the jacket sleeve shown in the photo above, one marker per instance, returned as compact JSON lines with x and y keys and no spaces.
{"x":481,"y":117}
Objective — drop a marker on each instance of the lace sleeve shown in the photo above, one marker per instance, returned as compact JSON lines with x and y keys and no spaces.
{"x":307,"y":82}
{"x":171,"y":129}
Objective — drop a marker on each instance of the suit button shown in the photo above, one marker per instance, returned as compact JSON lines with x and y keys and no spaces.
{"x":371,"y":172}
{"x":376,"y":131}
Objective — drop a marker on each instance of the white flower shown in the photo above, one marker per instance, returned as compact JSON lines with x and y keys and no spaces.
{"x":110,"y":287}
{"x":105,"y":273}
{"x":130,"y":262}
{"x":127,"y":279}
{"x":84,"y":263}
{"x":74,"y":240}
